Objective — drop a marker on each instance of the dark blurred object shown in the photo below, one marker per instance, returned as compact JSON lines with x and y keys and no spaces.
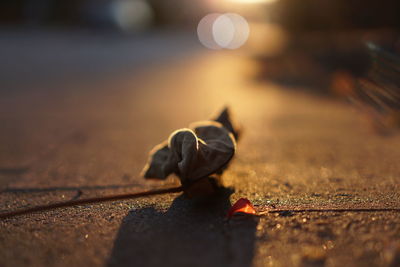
{"x":124,"y":15}
{"x":378,"y":92}
{"x":327,"y":39}
{"x":310,"y":60}
{"x":311,"y":15}
{"x":39,"y":11}
{"x":321,"y":61}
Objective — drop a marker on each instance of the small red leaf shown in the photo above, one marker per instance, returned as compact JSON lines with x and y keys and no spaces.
{"x":243,"y":205}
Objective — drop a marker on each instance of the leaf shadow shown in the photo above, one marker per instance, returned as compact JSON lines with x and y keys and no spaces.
{"x":189,"y":233}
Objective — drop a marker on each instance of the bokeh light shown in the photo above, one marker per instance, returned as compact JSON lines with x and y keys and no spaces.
{"x":223,"y":31}
{"x":242,"y":30}
{"x":205,"y":32}
{"x":217,"y":31}
{"x":132,"y":15}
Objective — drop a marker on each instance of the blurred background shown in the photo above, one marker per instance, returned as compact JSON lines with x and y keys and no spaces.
{"x":315,"y":44}
{"x":52,"y":51}
{"x":304,"y":36}
{"x":89,"y":87}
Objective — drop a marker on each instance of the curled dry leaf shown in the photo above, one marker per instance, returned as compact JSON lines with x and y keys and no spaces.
{"x":195,"y":153}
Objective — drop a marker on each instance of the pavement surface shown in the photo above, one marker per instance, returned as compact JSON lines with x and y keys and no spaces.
{"x":81,"y":122}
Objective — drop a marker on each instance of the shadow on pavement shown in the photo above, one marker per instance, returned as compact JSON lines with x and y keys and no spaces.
{"x":187,"y":234}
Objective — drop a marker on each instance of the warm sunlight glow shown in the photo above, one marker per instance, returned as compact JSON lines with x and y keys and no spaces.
{"x":252,"y":1}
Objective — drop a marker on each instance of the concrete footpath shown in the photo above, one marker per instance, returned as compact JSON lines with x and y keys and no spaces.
{"x":84,"y":138}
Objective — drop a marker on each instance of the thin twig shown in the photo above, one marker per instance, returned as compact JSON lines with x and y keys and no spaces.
{"x":79,"y":202}
{"x":280,"y":210}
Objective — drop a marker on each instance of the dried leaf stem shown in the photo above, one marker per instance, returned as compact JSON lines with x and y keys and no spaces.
{"x":94,"y":200}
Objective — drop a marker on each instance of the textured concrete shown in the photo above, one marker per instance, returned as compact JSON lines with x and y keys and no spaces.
{"x":93,"y":135}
